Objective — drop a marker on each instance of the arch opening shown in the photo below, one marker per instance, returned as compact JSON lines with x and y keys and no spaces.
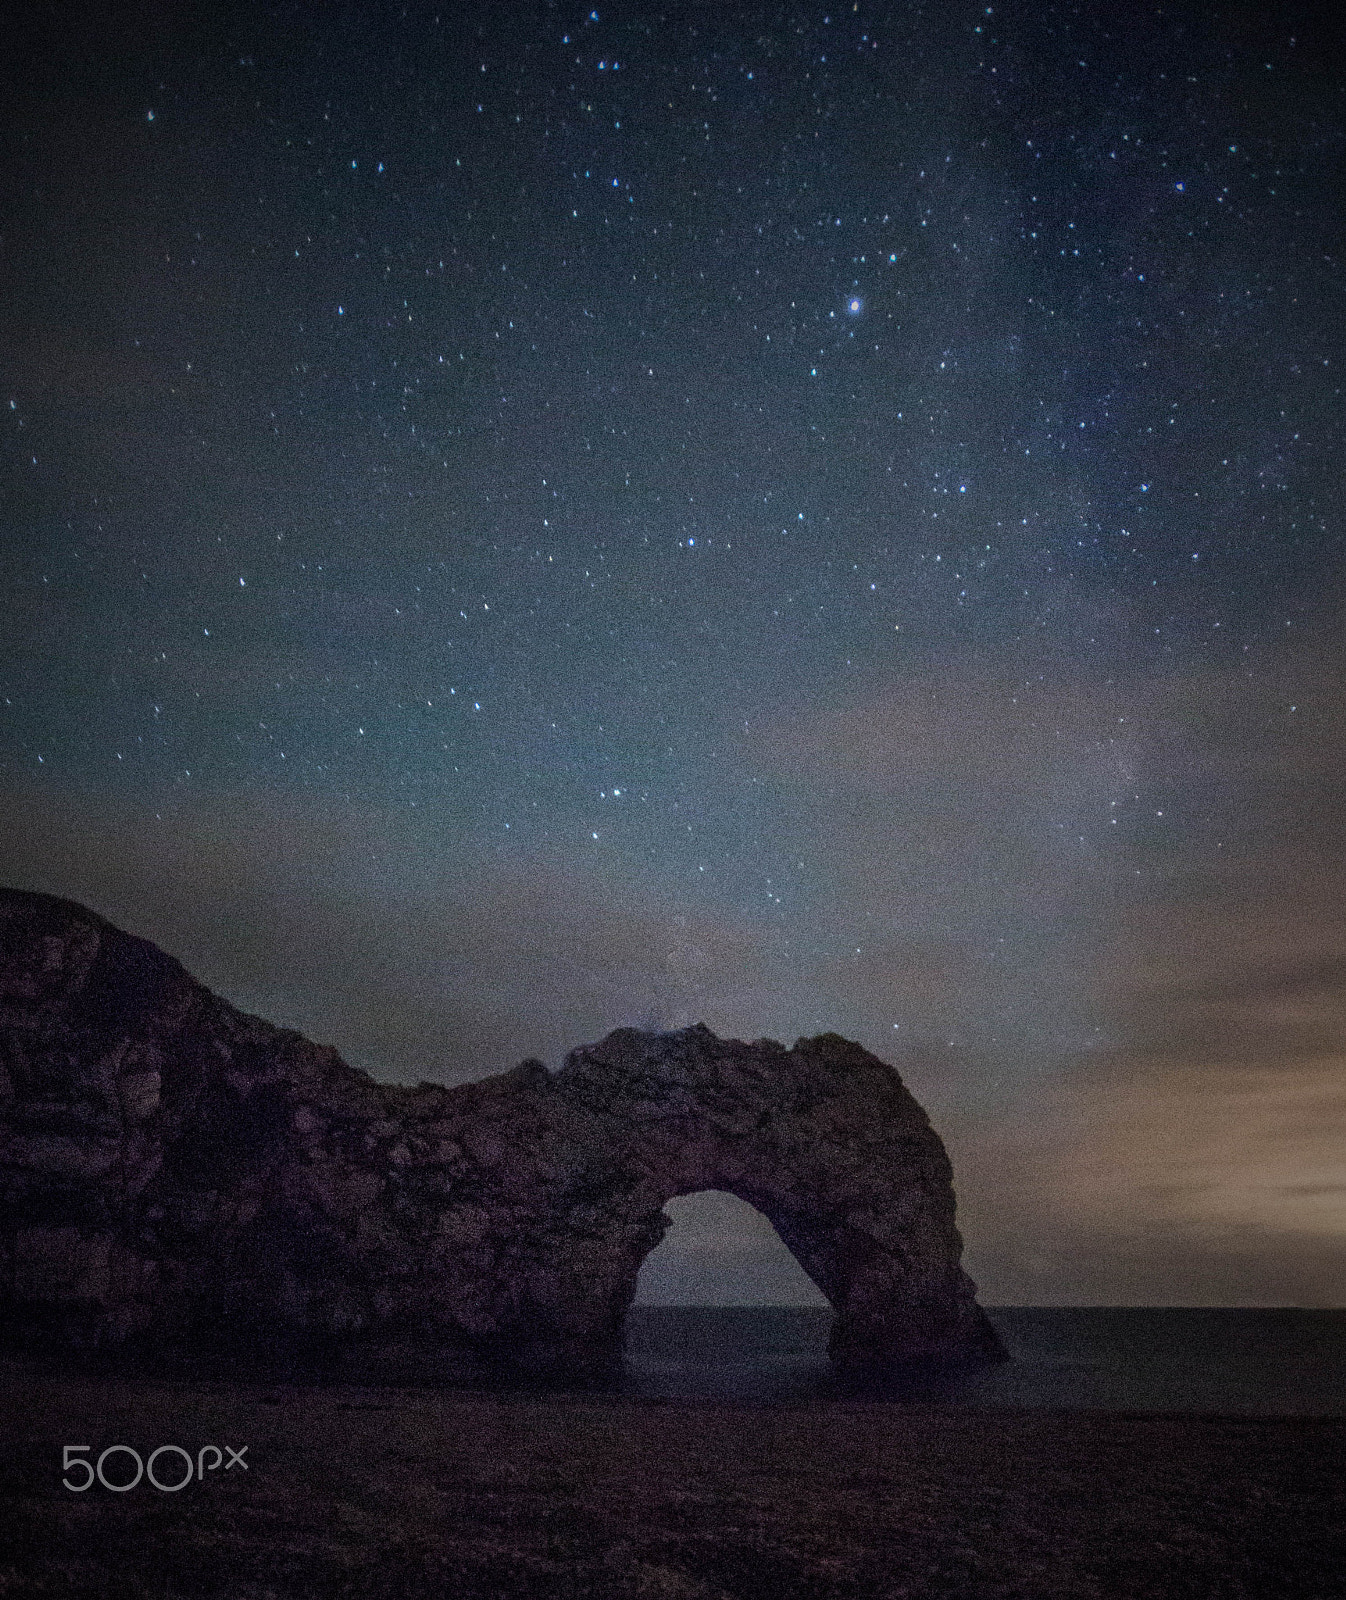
{"x":722,"y":1251}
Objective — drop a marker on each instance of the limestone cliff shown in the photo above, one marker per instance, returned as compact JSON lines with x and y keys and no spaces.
{"x":171,"y":1168}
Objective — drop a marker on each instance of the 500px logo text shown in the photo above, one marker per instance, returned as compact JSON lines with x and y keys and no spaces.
{"x":115,"y":1471}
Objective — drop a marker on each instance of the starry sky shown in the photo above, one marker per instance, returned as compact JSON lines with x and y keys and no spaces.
{"x":518,"y":520}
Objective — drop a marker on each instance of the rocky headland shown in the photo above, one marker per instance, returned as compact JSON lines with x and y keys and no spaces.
{"x":174,"y":1171}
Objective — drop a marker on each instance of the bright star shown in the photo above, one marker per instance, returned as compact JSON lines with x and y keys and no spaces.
{"x":855,"y":306}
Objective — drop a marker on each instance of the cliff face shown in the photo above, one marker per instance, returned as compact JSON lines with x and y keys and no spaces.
{"x":171,"y":1168}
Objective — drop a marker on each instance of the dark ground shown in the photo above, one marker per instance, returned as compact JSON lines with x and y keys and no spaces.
{"x":404,"y":1492}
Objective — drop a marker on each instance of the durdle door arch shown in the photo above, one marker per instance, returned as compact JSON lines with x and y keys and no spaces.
{"x":173,"y":1169}
{"x":823,"y":1140}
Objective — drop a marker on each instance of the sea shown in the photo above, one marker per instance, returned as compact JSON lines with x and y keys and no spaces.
{"x":1277,"y":1362}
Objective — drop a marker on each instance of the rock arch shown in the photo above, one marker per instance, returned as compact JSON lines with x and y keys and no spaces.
{"x":824,"y":1140}
{"x":170,"y":1167}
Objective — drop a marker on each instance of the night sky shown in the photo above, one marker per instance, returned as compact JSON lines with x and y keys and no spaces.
{"x":523,"y":520}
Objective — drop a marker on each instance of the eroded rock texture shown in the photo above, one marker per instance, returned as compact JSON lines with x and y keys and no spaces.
{"x":171,"y":1168}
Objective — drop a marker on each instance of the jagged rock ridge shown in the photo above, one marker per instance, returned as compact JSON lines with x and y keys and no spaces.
{"x":171,"y":1167}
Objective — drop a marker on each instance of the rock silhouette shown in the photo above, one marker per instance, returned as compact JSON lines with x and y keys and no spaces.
{"x":172,"y":1169}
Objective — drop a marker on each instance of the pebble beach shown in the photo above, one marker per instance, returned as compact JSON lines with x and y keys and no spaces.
{"x":374,"y":1491}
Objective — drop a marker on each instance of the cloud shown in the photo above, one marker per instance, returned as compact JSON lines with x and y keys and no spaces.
{"x":1132,"y":1035}
{"x":1147,"y":1098}
{"x":1150,"y":1184}
{"x":411,"y":949}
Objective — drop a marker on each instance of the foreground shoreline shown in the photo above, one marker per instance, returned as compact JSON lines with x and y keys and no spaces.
{"x":376,"y":1490}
